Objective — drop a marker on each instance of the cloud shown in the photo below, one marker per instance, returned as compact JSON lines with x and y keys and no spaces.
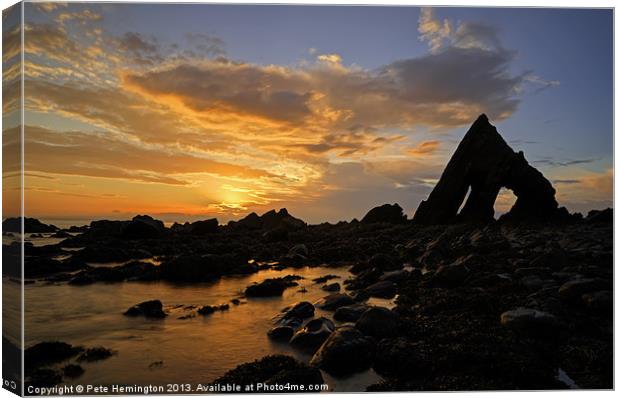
{"x":433,"y":31}
{"x":425,"y":148}
{"x":103,"y":155}
{"x":557,"y":163}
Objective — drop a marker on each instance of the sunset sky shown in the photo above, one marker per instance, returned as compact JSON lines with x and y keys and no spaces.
{"x":197,"y":111}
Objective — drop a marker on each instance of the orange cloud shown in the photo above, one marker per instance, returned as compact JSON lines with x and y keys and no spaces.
{"x":424,"y":148}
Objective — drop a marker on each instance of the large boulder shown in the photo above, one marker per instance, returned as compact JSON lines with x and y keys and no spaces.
{"x":313,"y":334}
{"x":390,"y":214}
{"x":378,"y":322}
{"x":350,"y":313}
{"x":574,"y":289}
{"x":482,"y":164}
{"x":334,"y":301}
{"x":346,"y":351}
{"x":530,"y":322}
{"x":382,"y":289}
{"x":271,"y":287}
{"x":149,"y":309}
{"x":302,"y":309}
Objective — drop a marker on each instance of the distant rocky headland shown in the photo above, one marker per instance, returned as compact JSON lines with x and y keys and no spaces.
{"x":480,"y":303}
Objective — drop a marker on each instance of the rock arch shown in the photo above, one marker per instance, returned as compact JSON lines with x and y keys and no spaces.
{"x":484,"y":163}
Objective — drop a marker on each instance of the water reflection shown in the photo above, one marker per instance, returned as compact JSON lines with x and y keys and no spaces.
{"x":193,"y":350}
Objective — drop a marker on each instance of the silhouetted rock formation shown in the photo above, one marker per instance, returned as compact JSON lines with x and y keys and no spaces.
{"x":31,"y":225}
{"x":391,"y":214}
{"x":269,"y":221}
{"x":484,"y":163}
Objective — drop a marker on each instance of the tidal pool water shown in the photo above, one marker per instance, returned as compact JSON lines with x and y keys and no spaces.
{"x":173,"y":350}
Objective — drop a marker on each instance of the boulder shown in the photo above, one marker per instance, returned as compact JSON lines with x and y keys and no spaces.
{"x":49,"y":352}
{"x":312,"y":334}
{"x":390,"y":214}
{"x":482,"y":164}
{"x":396,"y":276}
{"x":302,"y":309}
{"x":574,"y":289}
{"x":345,"y":351}
{"x":350,"y":313}
{"x":149,"y":309}
{"x":530,"y":321}
{"x":334,"y":301}
{"x":378,"y":322}
{"x":332,"y":287}
{"x":281,"y":333}
{"x":325,"y":278}
{"x":383,"y":289}
{"x":270,"y":287}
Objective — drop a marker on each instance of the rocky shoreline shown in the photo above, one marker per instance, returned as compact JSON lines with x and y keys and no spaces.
{"x":499,"y":306}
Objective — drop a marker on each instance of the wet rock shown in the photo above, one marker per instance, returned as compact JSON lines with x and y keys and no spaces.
{"x":72,"y":371}
{"x":332,"y":287}
{"x":334,"y":301}
{"x":280,"y":369}
{"x":49,"y":352}
{"x":391,"y":214}
{"x":300,"y":310}
{"x":325,"y":278}
{"x":378,"y":322}
{"x":346,"y":351}
{"x":95,"y":354}
{"x":574,"y":289}
{"x":484,"y":163}
{"x":312,"y":334}
{"x":210,"y":309}
{"x":383,"y":289}
{"x":530,"y":321}
{"x":396,"y":276}
{"x":149,"y":309}
{"x":601,"y":301}
{"x":350,"y":313}
{"x":270,"y":287}
{"x":281,"y":333}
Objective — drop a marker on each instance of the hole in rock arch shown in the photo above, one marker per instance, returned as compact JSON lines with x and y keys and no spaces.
{"x":464,"y":200}
{"x":504,"y":202}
